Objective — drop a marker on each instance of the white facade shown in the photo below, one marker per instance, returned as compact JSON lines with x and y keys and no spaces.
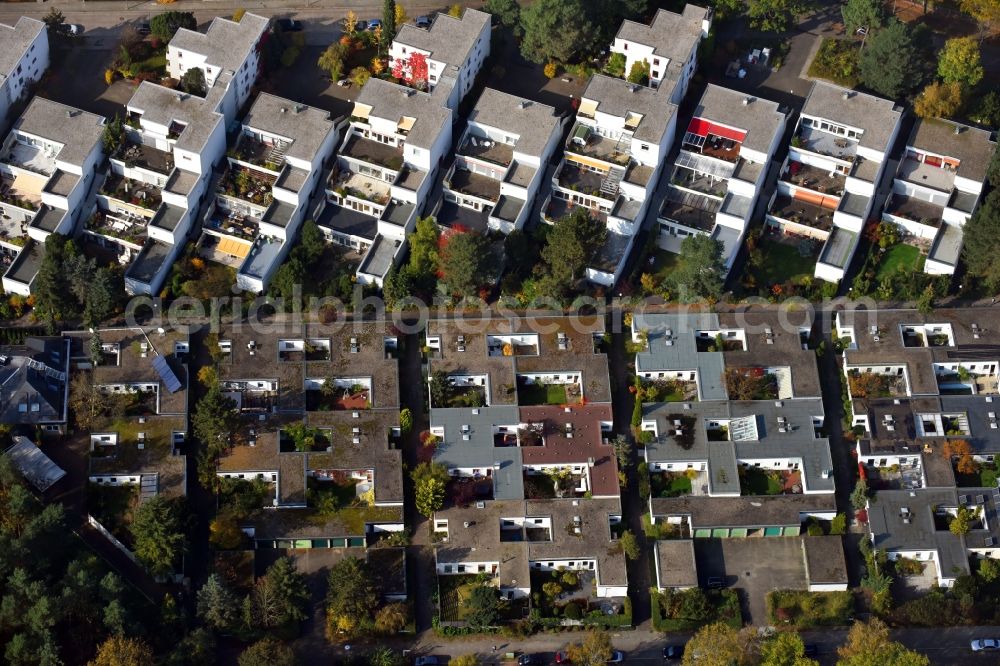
{"x":24,"y":57}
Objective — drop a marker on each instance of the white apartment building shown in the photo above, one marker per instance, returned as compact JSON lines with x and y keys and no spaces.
{"x":24,"y":57}
{"x":386,"y":165}
{"x":669,"y":44}
{"x":500,"y":163}
{"x":722,"y":165}
{"x":827,"y":184}
{"x":157,"y":181}
{"x":227,"y":53}
{"x":48,"y":165}
{"x":937,"y":188}
{"x":455,"y":48}
{"x":263,"y":195}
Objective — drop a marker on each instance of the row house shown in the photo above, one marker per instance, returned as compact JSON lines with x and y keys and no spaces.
{"x":48,"y":166}
{"x":454,"y":48}
{"x":668,"y":46}
{"x":24,"y":57}
{"x":262,"y":195}
{"x":720,"y":170}
{"x":390,"y":155}
{"x":499,"y":165}
{"x":827,"y":184}
{"x":937,"y":188}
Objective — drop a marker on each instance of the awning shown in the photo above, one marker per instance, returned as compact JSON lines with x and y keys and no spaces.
{"x":587,"y":107}
{"x":405,"y":123}
{"x":702,"y":127}
{"x":235,"y":248}
{"x":361,"y":111}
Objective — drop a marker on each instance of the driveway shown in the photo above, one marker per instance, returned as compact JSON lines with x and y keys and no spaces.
{"x":755,"y":566}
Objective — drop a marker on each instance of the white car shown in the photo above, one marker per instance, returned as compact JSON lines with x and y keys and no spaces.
{"x":74,"y":29}
{"x":985,"y":644}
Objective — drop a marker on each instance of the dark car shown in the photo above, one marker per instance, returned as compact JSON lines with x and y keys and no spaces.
{"x":531,"y":660}
{"x":811,"y":650}
{"x":288,"y":25}
{"x":673,"y":652}
{"x":143,"y":28}
{"x":422,"y":21}
{"x":429,"y":660}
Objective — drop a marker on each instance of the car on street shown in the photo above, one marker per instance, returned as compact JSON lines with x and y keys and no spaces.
{"x":422,"y":21}
{"x":562,"y":658}
{"x":673,"y":652}
{"x":534,"y":659}
{"x":811,"y":649}
{"x":617,"y":657}
{"x":74,"y":29}
{"x":716,"y":582}
{"x":429,"y":660}
{"x":360,"y":26}
{"x":374,"y":23}
{"x":288,"y":25}
{"x":980,"y":644}
{"x":344,"y":83}
{"x":143,"y":28}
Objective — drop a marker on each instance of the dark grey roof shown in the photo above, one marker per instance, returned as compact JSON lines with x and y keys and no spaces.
{"x":750,"y":512}
{"x":145,"y":266}
{"x":380,"y":256}
{"x":676,"y":566}
{"x":531,"y":122}
{"x":348,"y":221}
{"x":618,"y":97}
{"x":449,"y":39}
{"x":29,"y":395}
{"x":971,"y":145}
{"x":34,"y":465}
{"x":163,"y":106}
{"x":478,"y":451}
{"x":760,"y":118}
{"x":306,"y":127}
{"x":878,"y":117}
{"x":25,"y":266}
{"x":78,"y":131}
{"x":681,"y":353}
{"x":825,"y":561}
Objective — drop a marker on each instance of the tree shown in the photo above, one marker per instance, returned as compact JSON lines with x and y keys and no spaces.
{"x":401,"y":16}
{"x":892,"y":65}
{"x":193,"y":82}
{"x":962,"y":522}
{"x":412,"y":70}
{"x":464,"y":660}
{"x":158,"y":534}
{"x":785,"y":649}
{"x":214,"y":420}
{"x":623,"y":450}
{"x":113,"y":135}
{"x":867,"y":14}
{"x":939,"y":100}
{"x":290,"y":590}
{"x":359,"y":76}
{"x":350,"y":23}
{"x":700,"y":271}
{"x":594,"y":650}
{"x":987,"y":112}
{"x":483,"y":606}
{"x":440,"y":388}
{"x":429,"y":496}
{"x":555,"y":30}
{"x":982,"y":240}
{"x":55,"y":22}
{"x":455,"y":10}
{"x":985,"y":12}
{"x":639,"y":73}
{"x":868,"y":644}
{"x":351,"y":590}
{"x":629,"y":545}
{"x":720,"y":645}
{"x":385,"y":656}
{"x":616,"y":65}
{"x":960,"y":452}
{"x":122,"y":651}
{"x":332,"y":60}
{"x":989,"y":569}
{"x":217,"y":605}
{"x":467,"y":261}
{"x":405,"y":420}
{"x":391,"y":619}
{"x":164,"y":26}
{"x":53,"y":298}
{"x":506,"y":12}
{"x":960,"y":62}
{"x":572,"y":243}
{"x":423,"y":247}
{"x":775,"y":15}
{"x":429,"y":470}
{"x":388,"y":22}
{"x":859,"y":496}
{"x":267,"y":652}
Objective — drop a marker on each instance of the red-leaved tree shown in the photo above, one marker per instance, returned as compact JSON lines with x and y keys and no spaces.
{"x":412,"y":70}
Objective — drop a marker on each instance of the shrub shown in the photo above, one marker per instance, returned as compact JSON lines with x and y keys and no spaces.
{"x":572,"y":611}
{"x":839,"y":524}
{"x":809,"y":609}
{"x":837,"y":61}
{"x":814,"y":529}
{"x":550,"y":70}
{"x":109,"y":76}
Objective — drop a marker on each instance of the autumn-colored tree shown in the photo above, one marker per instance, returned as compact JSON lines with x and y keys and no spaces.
{"x":867,"y":385}
{"x":939,"y":100}
{"x":350,"y":22}
{"x":377,"y":66}
{"x":721,"y":645}
{"x":401,"y":16}
{"x":595,"y":650}
{"x":960,"y":451}
{"x":412,"y":70}
{"x":464,"y":660}
{"x":456,"y":10}
{"x":868,"y":644}
{"x":224,"y":532}
{"x":208,"y":376}
{"x":985,"y":12}
{"x":122,"y":651}
{"x":960,"y":61}
{"x":391,"y":619}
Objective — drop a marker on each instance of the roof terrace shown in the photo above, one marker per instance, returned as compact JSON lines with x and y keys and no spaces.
{"x":132,"y":192}
{"x":927,"y":175}
{"x":466,"y":182}
{"x":38,"y":159}
{"x":366,"y":150}
{"x":23,"y":190}
{"x":482,"y":148}
{"x":143,"y":156}
{"x":913,"y":208}
{"x":692,"y":210}
{"x":802,"y":212}
{"x":814,"y":178}
{"x":247,"y":185}
{"x":824,"y":143}
{"x":347,"y":182}
{"x":583,"y":141}
{"x":270,"y":156}
{"x":574,"y":177}
{"x":120,"y":225}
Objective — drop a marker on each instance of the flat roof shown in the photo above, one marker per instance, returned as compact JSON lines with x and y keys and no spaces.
{"x":36,"y":467}
{"x":348,"y":222}
{"x":825,"y":561}
{"x":305,"y":127}
{"x":750,"y":512}
{"x":974,"y":147}
{"x":878,"y":117}
{"x":760,"y":118}
{"x":149,"y":260}
{"x":29,"y":260}
{"x":532,"y":123}
{"x":676,"y":564}
{"x":78,"y":131}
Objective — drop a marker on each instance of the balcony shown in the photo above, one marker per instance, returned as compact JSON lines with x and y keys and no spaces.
{"x":374,"y":152}
{"x":37,"y":159}
{"x":131,"y":192}
{"x":802,"y":212}
{"x":560,"y":208}
{"x":573,"y":177}
{"x":814,"y":178}
{"x":13,"y":232}
{"x":699,"y":182}
{"x":233,"y":224}
{"x":122,"y":226}
{"x":247,"y":184}
{"x":694,"y":211}
{"x":141,"y":156}
{"x":488,"y":150}
{"x":584,"y":142}
{"x":824,"y":143}
{"x":917,"y":210}
{"x":926,"y":175}
{"x":466,"y":182}
{"x":350,"y":183}
{"x":22,"y":191}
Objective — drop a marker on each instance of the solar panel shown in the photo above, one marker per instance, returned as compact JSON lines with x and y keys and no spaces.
{"x":166,"y":373}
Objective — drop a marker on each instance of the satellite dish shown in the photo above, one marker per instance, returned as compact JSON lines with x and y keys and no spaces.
{"x":160,"y":330}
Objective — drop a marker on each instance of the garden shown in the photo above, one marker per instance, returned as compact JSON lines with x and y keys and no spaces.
{"x":336,"y":492}
{"x":687,"y":610}
{"x":893,"y":269}
{"x":552,"y":483}
{"x":805,"y":610}
{"x":330,"y":397}
{"x":539,"y":393}
{"x":782,"y":265}
{"x":672,"y":484}
{"x":300,"y":437}
{"x":981,"y":475}
{"x":758,"y":481}
{"x":751,"y":384}
{"x":113,"y":507}
{"x":837,"y":61}
{"x":244,"y":498}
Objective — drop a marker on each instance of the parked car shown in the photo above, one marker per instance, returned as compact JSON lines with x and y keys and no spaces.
{"x":374,"y":23}
{"x":74,"y":29}
{"x":562,"y":658}
{"x":980,"y":644}
{"x":429,"y":660}
{"x":715,"y":582}
{"x":531,"y":660}
{"x":422,"y":21}
{"x":344,"y":83}
{"x":360,"y":26}
{"x":143,"y":28}
{"x":811,"y":649}
{"x":617,"y":657}
{"x":673,"y":652}
{"x":288,"y":25}
{"x":4,"y":359}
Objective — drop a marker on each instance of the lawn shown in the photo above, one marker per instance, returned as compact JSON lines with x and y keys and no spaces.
{"x":542,"y":394}
{"x":664,"y":264}
{"x":786,"y":261}
{"x":113,"y":506}
{"x":755,"y":481}
{"x":803,"y":610}
{"x":901,"y":256}
{"x":667,"y":484}
{"x":455,"y":589}
{"x":986,"y":477}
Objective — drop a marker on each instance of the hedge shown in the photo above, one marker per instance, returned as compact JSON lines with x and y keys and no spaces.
{"x":802,"y":609}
